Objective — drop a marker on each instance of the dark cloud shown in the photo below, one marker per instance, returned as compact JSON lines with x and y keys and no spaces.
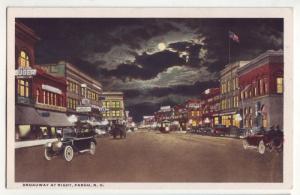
{"x":147,"y":66}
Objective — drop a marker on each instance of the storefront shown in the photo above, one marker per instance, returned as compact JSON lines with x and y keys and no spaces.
{"x":27,"y":123}
{"x":231,"y":119}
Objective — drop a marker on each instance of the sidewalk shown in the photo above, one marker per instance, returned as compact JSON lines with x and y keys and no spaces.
{"x":23,"y":144}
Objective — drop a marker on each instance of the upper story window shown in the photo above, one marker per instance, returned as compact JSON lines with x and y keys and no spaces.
{"x":23,"y":88}
{"x":279,"y":82}
{"x":23,"y":59}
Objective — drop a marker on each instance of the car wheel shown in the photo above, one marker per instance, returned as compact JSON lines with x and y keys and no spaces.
{"x":92,"y":148}
{"x":47,"y":155}
{"x":68,"y":153}
{"x":261,"y":147}
{"x":245,"y":144}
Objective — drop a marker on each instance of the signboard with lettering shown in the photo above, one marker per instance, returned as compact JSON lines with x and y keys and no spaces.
{"x":27,"y":72}
{"x":83,"y":109}
{"x":85,"y":101}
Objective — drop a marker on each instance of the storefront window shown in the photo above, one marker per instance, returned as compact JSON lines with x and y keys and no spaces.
{"x":279,"y":82}
{"x":23,"y":59}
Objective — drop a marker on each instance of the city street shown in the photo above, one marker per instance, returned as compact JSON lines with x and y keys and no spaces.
{"x":150,"y":156}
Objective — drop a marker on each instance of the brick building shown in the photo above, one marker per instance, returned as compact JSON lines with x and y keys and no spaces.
{"x":83,"y":92}
{"x":194,"y":112}
{"x":40,"y":97}
{"x":261,"y":90}
{"x":181,"y":115}
{"x":211,"y":107}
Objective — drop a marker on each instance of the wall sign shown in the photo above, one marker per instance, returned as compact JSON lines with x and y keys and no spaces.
{"x":27,"y":72}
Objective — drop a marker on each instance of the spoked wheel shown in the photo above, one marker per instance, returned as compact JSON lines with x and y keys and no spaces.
{"x":245,"y":144}
{"x":47,"y":155}
{"x":68,"y":153}
{"x":92,"y":148}
{"x":261,"y":147}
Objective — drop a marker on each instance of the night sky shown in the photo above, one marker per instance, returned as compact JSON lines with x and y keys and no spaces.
{"x":155,"y":62}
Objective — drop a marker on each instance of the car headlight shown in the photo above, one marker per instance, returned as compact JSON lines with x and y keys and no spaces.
{"x":49,"y":144}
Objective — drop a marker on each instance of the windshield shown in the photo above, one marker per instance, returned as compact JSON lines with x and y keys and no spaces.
{"x":68,"y":132}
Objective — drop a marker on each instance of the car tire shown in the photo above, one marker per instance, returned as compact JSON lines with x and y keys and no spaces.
{"x":245,"y":144}
{"x":68,"y":153}
{"x":47,"y":156}
{"x":261,"y":147}
{"x":92,"y":148}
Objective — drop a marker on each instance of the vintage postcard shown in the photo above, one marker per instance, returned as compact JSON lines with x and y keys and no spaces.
{"x":149,"y":98}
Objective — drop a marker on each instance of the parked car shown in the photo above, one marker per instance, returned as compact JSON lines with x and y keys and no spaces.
{"x":264,"y":140}
{"x":205,"y":130}
{"x":220,"y":130}
{"x":71,"y":141}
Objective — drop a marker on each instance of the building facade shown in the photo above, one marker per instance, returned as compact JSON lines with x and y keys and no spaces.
{"x":165,"y":113}
{"x":229,"y":97}
{"x":261,"y":90}
{"x":40,"y":98}
{"x":114,"y":106}
{"x":181,"y":115}
{"x":194,"y":112}
{"x":211,"y":107}
{"x":83,"y":97}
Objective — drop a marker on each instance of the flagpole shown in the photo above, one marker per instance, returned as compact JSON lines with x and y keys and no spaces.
{"x":230,"y":81}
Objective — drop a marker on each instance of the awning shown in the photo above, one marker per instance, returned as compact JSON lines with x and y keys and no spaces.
{"x":55,"y":119}
{"x":25,"y":115}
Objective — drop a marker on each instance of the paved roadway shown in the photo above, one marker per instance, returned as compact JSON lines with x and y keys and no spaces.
{"x":154,"y":157}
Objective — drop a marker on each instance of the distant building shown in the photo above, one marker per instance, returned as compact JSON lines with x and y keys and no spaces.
{"x":165,"y":113}
{"x":261,"y":90}
{"x":83,"y":92}
{"x":181,"y":115}
{"x":114,"y":105}
{"x":211,"y":106}
{"x":194,"y":112}
{"x":229,"y":97}
{"x":148,"y":121}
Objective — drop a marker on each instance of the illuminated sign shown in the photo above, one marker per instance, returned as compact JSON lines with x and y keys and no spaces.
{"x":51,"y":89}
{"x":25,"y":72}
{"x":83,"y":109}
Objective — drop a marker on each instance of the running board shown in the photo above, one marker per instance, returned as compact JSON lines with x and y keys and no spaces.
{"x":87,"y":150}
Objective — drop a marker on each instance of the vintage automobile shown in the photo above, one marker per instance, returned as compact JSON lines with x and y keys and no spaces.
{"x":219,"y":130}
{"x":264,"y":140}
{"x":118,"y":130}
{"x":72,"y":140}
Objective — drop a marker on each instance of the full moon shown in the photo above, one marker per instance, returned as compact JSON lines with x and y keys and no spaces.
{"x":161,"y":46}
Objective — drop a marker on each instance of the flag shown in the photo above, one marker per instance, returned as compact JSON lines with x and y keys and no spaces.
{"x":233,"y":36}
